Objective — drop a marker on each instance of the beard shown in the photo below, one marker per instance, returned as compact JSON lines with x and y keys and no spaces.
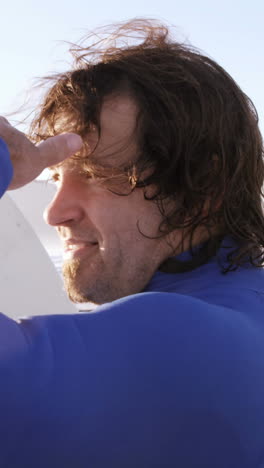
{"x":71,"y":272}
{"x":83,"y":283}
{"x":94,"y":281}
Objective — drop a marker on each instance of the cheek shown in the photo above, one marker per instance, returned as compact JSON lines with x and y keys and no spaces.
{"x":116,"y":224}
{"x":114,"y":211}
{"x":124,"y":216}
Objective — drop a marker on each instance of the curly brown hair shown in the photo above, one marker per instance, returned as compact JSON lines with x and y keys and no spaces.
{"x":197,"y":131}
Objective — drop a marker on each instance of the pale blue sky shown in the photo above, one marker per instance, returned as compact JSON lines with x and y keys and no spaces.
{"x":231,"y":32}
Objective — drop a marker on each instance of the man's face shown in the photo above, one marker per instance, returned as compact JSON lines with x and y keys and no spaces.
{"x":105,"y":254}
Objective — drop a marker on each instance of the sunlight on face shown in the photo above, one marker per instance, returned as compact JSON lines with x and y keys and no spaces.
{"x":106,"y":254}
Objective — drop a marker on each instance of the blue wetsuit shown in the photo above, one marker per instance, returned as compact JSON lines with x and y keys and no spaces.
{"x":170,"y":378}
{"x":6,"y":168}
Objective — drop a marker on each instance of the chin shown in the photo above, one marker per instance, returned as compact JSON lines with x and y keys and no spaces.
{"x":79,"y":294}
{"x":96,"y":291}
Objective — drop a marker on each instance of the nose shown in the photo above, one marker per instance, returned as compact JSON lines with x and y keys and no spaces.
{"x":64,"y":208}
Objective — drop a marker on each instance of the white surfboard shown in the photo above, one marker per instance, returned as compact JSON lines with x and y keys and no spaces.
{"x":29,"y":283}
{"x":31,"y":200}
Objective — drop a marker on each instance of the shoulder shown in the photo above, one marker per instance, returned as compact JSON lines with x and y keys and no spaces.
{"x":178,"y":364}
{"x":175,"y":318}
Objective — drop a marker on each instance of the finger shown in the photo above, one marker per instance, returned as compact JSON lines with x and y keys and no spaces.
{"x":55,"y":149}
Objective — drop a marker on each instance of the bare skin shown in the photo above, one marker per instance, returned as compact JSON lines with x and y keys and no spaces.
{"x":106,"y":256}
{"x":29,"y":160}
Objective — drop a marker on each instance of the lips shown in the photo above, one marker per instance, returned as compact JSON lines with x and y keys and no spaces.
{"x":79,"y":245}
{"x":75,"y":247}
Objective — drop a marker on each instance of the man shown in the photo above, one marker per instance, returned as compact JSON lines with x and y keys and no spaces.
{"x":160,"y":217}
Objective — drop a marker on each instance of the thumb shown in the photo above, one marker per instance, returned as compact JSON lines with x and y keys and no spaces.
{"x":55,"y":149}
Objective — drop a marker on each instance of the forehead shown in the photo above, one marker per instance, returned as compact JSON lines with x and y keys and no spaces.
{"x":118,"y":119}
{"x":115,"y":145}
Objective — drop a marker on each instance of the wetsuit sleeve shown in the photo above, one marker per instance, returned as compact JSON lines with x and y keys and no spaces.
{"x":6,"y":168}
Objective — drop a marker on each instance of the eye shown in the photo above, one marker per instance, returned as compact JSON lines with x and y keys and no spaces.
{"x":54,"y":177}
{"x":88,"y":175}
